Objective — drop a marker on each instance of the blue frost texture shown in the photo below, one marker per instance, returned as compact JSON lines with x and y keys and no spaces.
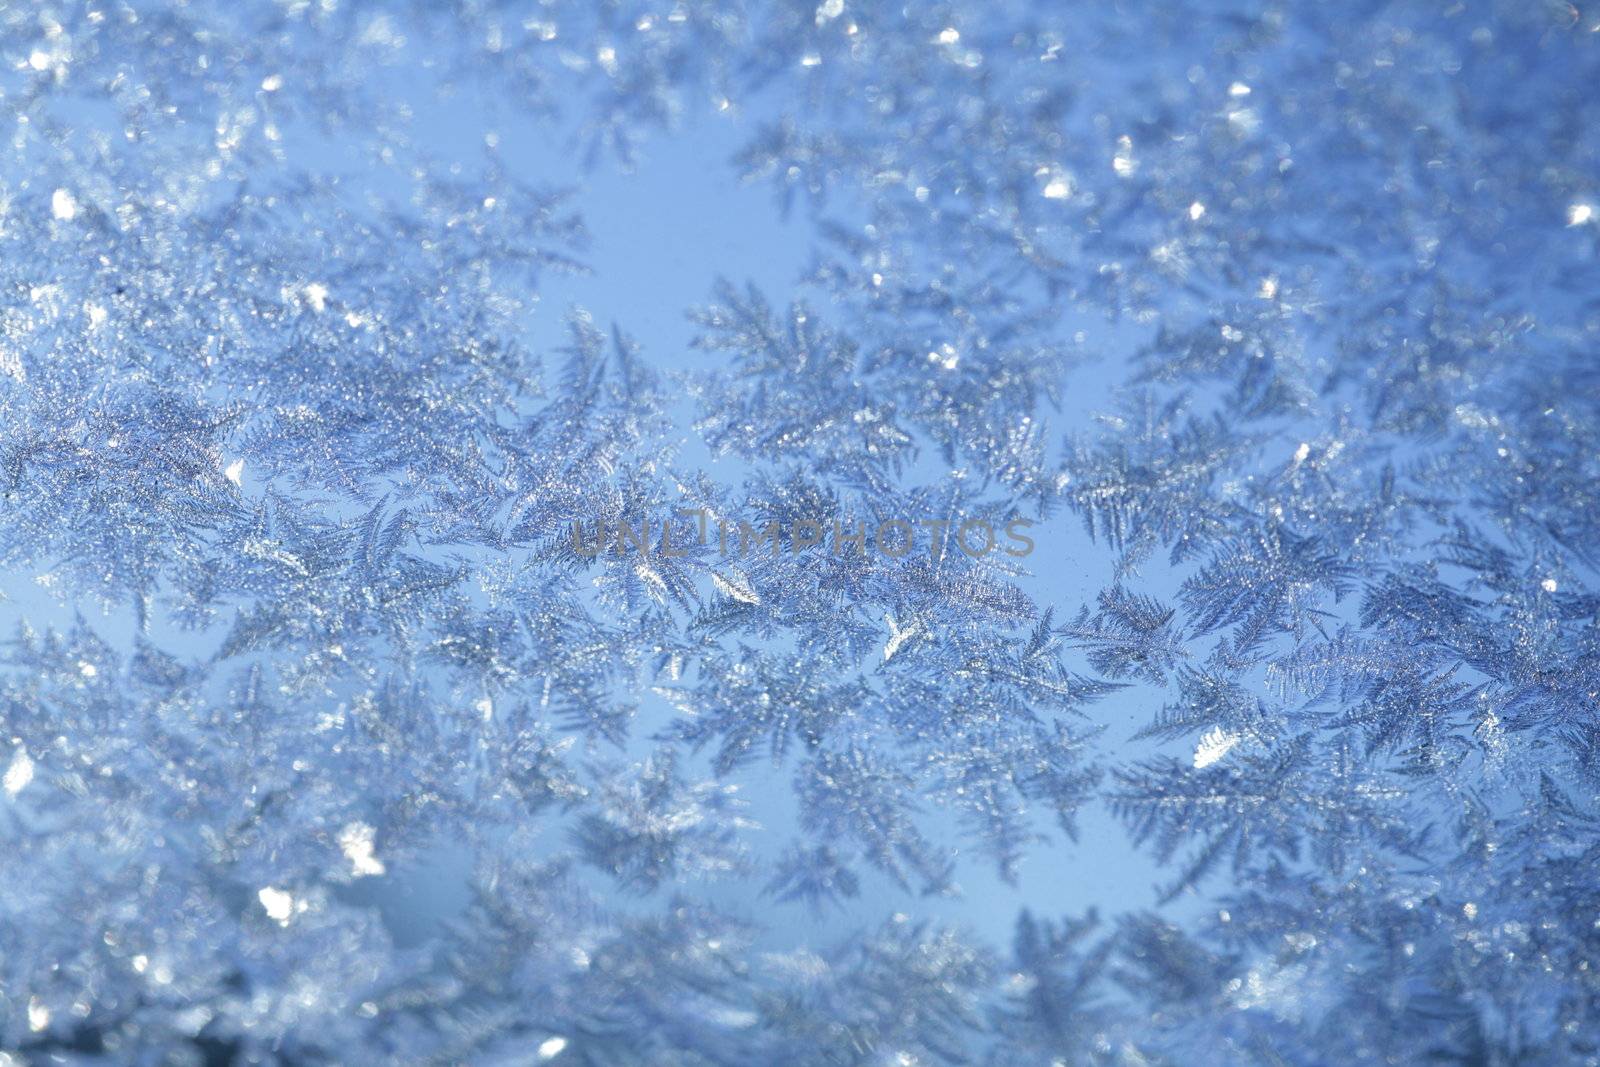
{"x":705,"y":533}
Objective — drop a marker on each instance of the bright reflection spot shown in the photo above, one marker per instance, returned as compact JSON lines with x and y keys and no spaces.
{"x":1123,"y":162}
{"x":62,"y":205}
{"x":1057,"y":183}
{"x":356,"y":842}
{"x":278,"y":904}
{"x":551,"y":1047}
{"x":1196,"y":210}
{"x":1578,"y":214}
{"x":18,"y":775}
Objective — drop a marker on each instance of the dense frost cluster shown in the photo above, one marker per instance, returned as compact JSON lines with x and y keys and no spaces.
{"x":1289,"y":309}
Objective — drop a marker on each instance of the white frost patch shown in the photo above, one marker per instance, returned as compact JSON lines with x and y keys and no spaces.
{"x":62,"y":205}
{"x":897,"y":636}
{"x":829,"y":9}
{"x":1214,"y":744}
{"x":317,"y":296}
{"x":18,"y":775}
{"x":235,"y":472}
{"x":356,"y":843}
{"x":737,"y":587}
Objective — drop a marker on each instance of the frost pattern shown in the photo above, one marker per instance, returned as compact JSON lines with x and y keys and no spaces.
{"x":279,"y":425}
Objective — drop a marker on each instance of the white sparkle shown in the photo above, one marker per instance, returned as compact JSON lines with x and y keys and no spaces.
{"x":1578,"y":214}
{"x":235,"y":472}
{"x":1196,"y":210}
{"x":949,"y":35}
{"x":62,"y":205}
{"x":551,"y":1047}
{"x":1549,"y":585}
